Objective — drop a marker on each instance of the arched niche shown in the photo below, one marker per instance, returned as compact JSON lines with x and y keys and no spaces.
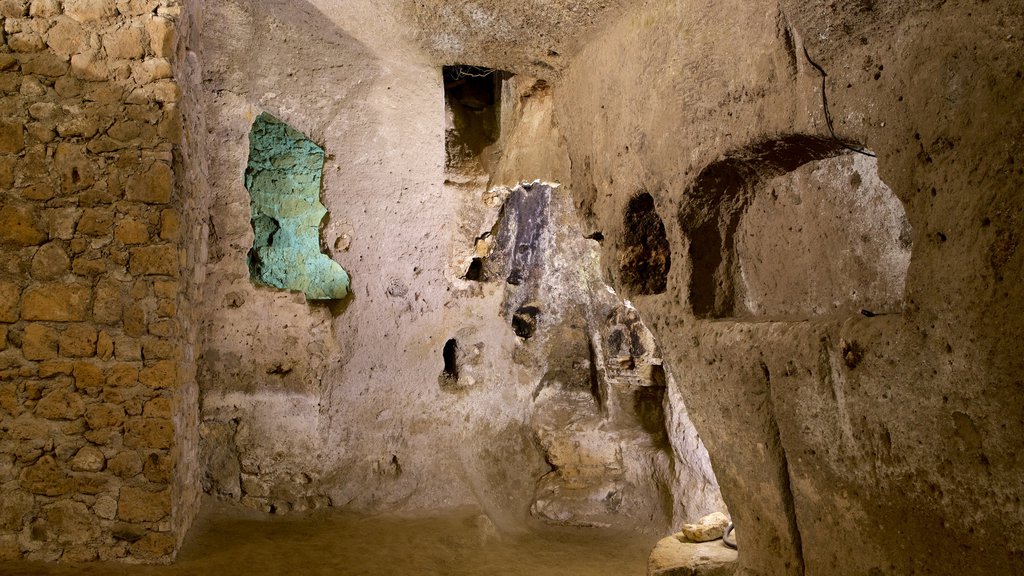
{"x":794,"y":228}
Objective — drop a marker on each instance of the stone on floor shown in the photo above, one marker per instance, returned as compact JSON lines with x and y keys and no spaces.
{"x":674,"y":558}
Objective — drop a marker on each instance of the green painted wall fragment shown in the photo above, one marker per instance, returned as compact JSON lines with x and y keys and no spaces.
{"x":283,"y":179}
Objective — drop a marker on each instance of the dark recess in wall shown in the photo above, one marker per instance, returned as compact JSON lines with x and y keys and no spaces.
{"x":473,"y":97}
{"x":450,"y":374}
{"x":645,"y":258}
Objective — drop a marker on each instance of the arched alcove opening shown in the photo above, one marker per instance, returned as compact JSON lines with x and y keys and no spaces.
{"x":795,"y":228}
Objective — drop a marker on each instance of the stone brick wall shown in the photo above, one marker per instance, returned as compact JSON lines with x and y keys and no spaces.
{"x":99,"y":252}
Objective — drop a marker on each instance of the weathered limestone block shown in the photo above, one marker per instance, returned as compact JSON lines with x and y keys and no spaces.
{"x":170,"y":225}
{"x":88,"y":459}
{"x":66,"y":37}
{"x":78,"y":341}
{"x":158,"y":408}
{"x":76,"y":168}
{"x":88,"y":376}
{"x":44,"y":8}
{"x":96,"y":222}
{"x":45,"y":64}
{"x":125,"y":464}
{"x":50,"y":262}
{"x":99,"y":416}
{"x":153,"y":545}
{"x":26,"y":42}
{"x":152,"y":186}
{"x":157,"y":433}
{"x":131,"y":231}
{"x":10,"y":301}
{"x":15,"y":508}
{"x":158,"y":468}
{"x":161,"y":36}
{"x":150,"y":70}
{"x":674,"y":558}
{"x":141,"y":505}
{"x":61,"y":404}
{"x":159,"y":260}
{"x":108,"y":302}
{"x":159,"y":349}
{"x":89,"y":10}
{"x":161,"y":375}
{"x":163,"y":91}
{"x":90,"y":67}
{"x":105,"y":507}
{"x":55,"y":368}
{"x":39,"y":342}
{"x":122,"y":375}
{"x":70,"y":522}
{"x":127,"y":42}
{"x":20,"y":225}
{"x":13,"y":8}
{"x":104,"y":346}
{"x":61,"y":222}
{"x":708,"y":528}
{"x":46,"y":477}
{"x":56,"y":302}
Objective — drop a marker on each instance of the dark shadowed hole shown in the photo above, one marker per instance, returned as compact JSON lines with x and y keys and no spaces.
{"x":451,"y":370}
{"x":473,"y":97}
{"x":645,"y":258}
{"x":476,"y":270}
{"x":524,"y":321}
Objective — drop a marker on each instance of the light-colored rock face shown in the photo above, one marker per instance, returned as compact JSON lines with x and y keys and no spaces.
{"x":541,"y":354}
{"x":828,"y":434}
{"x":426,"y":390}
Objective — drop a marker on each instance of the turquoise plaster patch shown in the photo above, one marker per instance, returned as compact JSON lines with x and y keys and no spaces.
{"x":283,"y":179}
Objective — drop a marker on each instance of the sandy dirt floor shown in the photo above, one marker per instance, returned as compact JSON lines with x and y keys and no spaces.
{"x":225,"y":542}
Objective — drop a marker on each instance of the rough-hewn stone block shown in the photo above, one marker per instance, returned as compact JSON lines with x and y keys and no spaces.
{"x":122,"y":375}
{"x":96,"y":222}
{"x":100,"y":416}
{"x":141,"y":505}
{"x":87,"y":376}
{"x":161,"y":36}
{"x":126,"y":42}
{"x":39,"y":342}
{"x":45,"y":477}
{"x":89,"y":10}
{"x":61,"y":404}
{"x":88,"y":459}
{"x":56,"y":302}
{"x":130,"y":231}
{"x":10,"y":301}
{"x":153,"y":545}
{"x":159,"y":260}
{"x":20,"y":225}
{"x":158,"y":349}
{"x":148,"y":433}
{"x":12,"y":137}
{"x":108,"y":302}
{"x":50,"y":261}
{"x":125,"y":464}
{"x":152,"y":186}
{"x":78,"y":341}
{"x":13,"y":8}
{"x":160,"y":375}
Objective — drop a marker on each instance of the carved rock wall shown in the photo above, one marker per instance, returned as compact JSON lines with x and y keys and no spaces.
{"x":844,"y":444}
